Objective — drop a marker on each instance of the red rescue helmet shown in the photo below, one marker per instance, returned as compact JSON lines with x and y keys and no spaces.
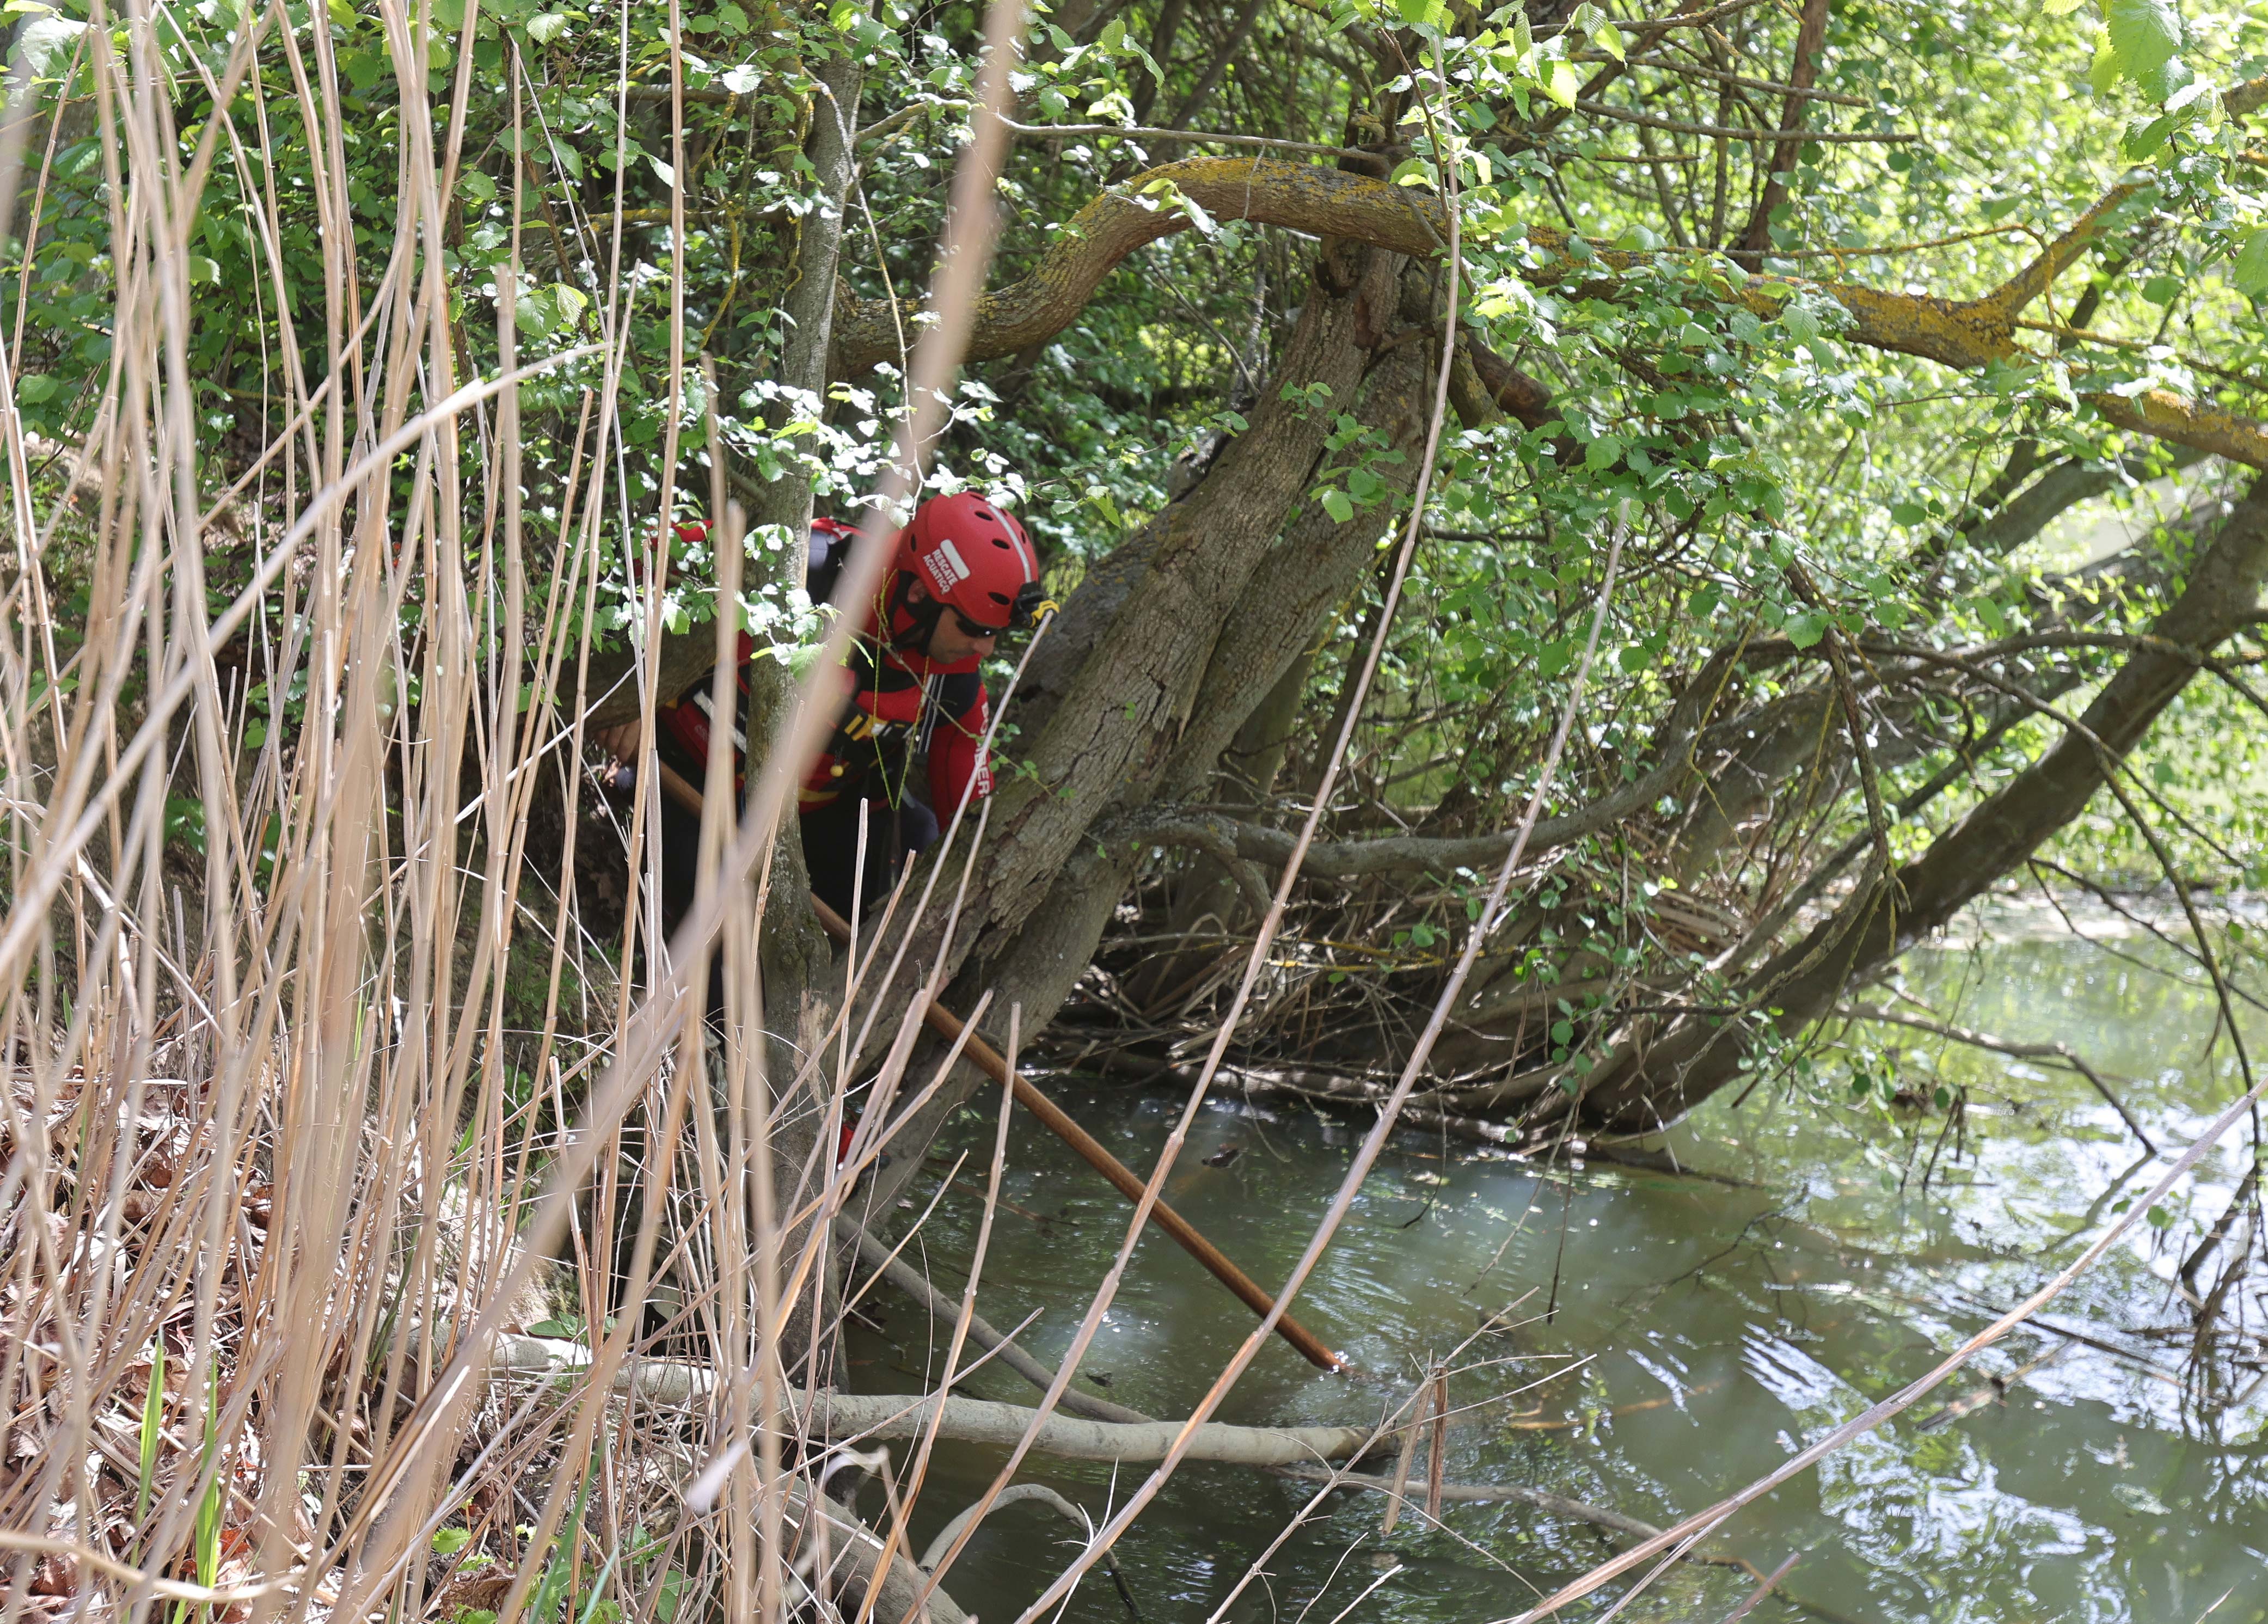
{"x":974,"y":558}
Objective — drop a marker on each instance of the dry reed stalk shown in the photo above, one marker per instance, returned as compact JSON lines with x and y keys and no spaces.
{"x":269,"y":1164}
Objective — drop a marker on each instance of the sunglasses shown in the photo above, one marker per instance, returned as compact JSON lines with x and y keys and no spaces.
{"x":970,"y":628}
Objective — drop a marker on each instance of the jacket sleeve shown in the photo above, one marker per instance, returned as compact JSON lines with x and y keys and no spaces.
{"x":956,"y":761}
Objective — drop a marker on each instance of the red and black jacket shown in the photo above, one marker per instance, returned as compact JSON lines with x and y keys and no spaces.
{"x":898,"y":704}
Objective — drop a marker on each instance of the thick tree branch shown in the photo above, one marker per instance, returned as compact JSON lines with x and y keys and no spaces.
{"x":1964,"y":334}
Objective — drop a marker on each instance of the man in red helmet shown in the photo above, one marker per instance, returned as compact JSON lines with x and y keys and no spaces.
{"x":963,"y":574}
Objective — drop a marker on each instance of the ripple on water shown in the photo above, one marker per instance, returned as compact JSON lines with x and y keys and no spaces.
{"x":1696,"y":1335}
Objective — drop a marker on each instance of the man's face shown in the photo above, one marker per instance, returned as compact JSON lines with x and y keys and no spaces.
{"x":954,"y":638}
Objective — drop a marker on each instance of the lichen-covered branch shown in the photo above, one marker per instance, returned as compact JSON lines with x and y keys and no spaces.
{"x":1966,"y":333}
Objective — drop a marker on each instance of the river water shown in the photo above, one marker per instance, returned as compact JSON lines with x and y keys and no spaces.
{"x":1658,"y":1341}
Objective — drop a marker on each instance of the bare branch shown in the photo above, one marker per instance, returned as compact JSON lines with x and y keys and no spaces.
{"x":2061,"y":1051}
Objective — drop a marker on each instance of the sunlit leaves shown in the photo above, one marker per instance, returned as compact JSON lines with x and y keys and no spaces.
{"x":2141,"y":42}
{"x":1600,"y":28}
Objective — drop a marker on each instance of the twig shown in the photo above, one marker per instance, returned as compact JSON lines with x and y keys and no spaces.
{"x":1204,"y":137}
{"x":1773,"y":86}
{"x":1974,"y":1039}
{"x":1600,"y":109}
{"x":1996,"y":1389}
{"x":1771,"y":1581}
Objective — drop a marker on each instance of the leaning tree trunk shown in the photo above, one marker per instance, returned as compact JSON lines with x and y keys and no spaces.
{"x":1178,"y":651}
{"x":1653,"y":1077}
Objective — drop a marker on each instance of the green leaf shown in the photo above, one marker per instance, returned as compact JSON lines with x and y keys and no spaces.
{"x":1336,"y":503}
{"x":1807,"y":628}
{"x":2250,"y":273}
{"x":2060,"y":8}
{"x":1602,"y":453}
{"x":1588,"y":19}
{"x":2143,"y":36}
{"x":2163,"y":82}
{"x":46,"y":44}
{"x":153,"y":1425}
{"x":534,"y":314}
{"x":449,"y":1541}
{"x":545,"y":26}
{"x":33,"y":387}
{"x":1560,"y":82}
{"x":2102,"y":73}
{"x":2162,"y":289}
{"x":2142,"y":142}
{"x":1908,"y":512}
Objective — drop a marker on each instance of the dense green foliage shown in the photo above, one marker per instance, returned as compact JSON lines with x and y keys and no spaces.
{"x":1786,"y":491}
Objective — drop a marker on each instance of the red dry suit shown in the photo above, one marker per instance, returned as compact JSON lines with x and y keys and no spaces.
{"x":897,"y":703}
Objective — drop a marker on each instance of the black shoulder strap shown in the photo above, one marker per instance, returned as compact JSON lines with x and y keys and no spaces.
{"x":823,"y":562}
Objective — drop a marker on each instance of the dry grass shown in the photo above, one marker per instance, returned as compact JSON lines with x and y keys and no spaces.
{"x":287,"y":1122}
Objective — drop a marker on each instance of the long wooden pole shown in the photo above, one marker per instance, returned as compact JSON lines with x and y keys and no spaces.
{"x":948,"y":1025}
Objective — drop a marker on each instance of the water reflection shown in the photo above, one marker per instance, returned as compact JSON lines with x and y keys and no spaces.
{"x":1688,"y":1335}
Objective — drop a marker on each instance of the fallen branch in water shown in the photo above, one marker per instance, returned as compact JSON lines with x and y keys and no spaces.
{"x":978,"y":1421}
{"x":1324,"y":1088}
{"x":853,"y":1554}
{"x":844,"y":1415}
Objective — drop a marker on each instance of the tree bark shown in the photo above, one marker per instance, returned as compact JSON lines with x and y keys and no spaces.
{"x":1810,"y":38}
{"x":1116,"y":730}
{"x":1174,"y":640}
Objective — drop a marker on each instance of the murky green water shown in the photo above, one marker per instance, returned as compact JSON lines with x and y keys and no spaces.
{"x":1704,"y":1331}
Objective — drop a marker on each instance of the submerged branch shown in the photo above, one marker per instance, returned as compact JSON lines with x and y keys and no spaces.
{"x":2061,"y":1052}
